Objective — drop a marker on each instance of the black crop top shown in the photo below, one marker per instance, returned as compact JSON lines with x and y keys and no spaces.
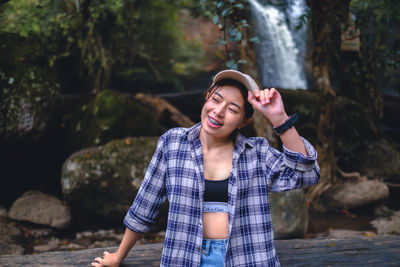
{"x":216,"y":191}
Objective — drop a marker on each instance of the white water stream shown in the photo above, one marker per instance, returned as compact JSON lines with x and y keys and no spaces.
{"x":279,"y":62}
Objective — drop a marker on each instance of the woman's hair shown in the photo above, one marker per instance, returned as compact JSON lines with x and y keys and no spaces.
{"x":248,"y":108}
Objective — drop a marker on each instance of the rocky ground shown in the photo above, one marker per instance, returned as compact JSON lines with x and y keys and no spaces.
{"x":18,"y":238}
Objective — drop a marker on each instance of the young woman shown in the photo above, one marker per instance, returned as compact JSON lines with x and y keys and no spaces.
{"x":217,"y":181}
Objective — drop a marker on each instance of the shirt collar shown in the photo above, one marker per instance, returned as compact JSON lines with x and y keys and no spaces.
{"x":193,"y":132}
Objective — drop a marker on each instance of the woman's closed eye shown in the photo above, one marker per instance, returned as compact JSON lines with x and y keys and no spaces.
{"x":233,"y":110}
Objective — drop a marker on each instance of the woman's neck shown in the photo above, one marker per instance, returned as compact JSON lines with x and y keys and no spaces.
{"x":210,"y":142}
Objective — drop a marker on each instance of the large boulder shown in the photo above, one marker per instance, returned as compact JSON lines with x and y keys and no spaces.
{"x":101,"y":182}
{"x":357,"y":193}
{"x":28,"y":91}
{"x":40,"y":208}
{"x":110,"y":115}
{"x":289,"y":214}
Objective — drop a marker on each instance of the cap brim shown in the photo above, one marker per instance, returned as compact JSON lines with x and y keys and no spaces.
{"x":245,"y":79}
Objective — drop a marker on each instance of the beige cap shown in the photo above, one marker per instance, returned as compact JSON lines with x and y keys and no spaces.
{"x":245,"y":79}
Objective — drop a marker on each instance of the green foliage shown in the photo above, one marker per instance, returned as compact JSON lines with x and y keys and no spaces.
{"x":108,"y":39}
{"x":230,"y":17}
{"x":379,"y":22}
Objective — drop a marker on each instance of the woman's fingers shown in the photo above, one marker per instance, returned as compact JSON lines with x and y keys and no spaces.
{"x":97,"y":262}
{"x":272,"y":92}
{"x":264,"y":97}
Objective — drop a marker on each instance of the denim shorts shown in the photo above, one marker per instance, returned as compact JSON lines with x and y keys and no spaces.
{"x":214,"y":251}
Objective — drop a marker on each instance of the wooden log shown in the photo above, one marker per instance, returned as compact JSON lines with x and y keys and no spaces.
{"x":360,"y":251}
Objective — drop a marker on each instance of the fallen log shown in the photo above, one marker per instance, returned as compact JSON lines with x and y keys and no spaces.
{"x":360,"y":251}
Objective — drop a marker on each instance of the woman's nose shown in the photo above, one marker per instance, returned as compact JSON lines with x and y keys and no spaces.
{"x":219,"y":111}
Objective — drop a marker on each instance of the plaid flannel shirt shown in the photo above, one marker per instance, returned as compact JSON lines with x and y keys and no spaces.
{"x":176,"y":172}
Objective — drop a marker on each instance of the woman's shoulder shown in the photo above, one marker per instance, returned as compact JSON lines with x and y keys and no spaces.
{"x":177,"y":134}
{"x":177,"y":131}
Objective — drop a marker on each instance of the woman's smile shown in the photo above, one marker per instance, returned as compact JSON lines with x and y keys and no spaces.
{"x":213,"y":122}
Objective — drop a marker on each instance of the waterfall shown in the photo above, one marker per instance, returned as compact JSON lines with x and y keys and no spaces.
{"x":280,"y":62}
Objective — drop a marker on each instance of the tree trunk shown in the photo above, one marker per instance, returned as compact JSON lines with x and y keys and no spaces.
{"x":326,"y":17}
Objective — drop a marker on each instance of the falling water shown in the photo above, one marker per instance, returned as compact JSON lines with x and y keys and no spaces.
{"x":280,"y":63}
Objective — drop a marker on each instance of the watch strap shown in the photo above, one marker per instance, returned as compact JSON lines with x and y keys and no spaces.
{"x":287,"y":124}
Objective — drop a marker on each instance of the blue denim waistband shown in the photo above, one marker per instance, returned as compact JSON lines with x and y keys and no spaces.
{"x":215,"y":207}
{"x":214,"y":245}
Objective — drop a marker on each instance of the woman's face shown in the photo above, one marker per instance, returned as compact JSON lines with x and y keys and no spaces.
{"x":223,"y":112}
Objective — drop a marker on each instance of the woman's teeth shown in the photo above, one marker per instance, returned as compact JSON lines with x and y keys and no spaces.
{"x":214,"y":122}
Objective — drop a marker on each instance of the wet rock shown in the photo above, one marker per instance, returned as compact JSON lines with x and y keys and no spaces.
{"x":289,"y":214}
{"x":8,"y":235}
{"x":40,"y":208}
{"x":357,"y":193}
{"x":100,"y":183}
{"x":168,"y":115}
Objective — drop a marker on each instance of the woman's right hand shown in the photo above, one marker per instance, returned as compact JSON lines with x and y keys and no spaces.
{"x":109,"y":259}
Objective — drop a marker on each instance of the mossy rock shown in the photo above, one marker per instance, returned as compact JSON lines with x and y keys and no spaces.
{"x":30,"y":131}
{"x":29,"y":94}
{"x":109,"y":116}
{"x":28,"y":103}
{"x":100,"y":183}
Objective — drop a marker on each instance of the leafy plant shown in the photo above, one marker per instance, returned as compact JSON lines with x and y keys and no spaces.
{"x":380,"y":45}
{"x":105,"y":39}
{"x":230,"y":17}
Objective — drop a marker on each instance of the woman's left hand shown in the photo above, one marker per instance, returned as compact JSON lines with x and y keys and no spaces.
{"x":269,"y":103}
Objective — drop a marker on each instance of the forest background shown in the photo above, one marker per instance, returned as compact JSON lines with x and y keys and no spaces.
{"x":69,"y":68}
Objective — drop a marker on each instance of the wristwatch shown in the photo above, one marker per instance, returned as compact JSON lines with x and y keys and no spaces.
{"x":287,"y":124}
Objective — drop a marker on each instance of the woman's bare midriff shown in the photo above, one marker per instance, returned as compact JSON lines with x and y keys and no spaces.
{"x":215,"y":225}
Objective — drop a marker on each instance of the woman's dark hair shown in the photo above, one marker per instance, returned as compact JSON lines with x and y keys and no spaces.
{"x":248,"y":108}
